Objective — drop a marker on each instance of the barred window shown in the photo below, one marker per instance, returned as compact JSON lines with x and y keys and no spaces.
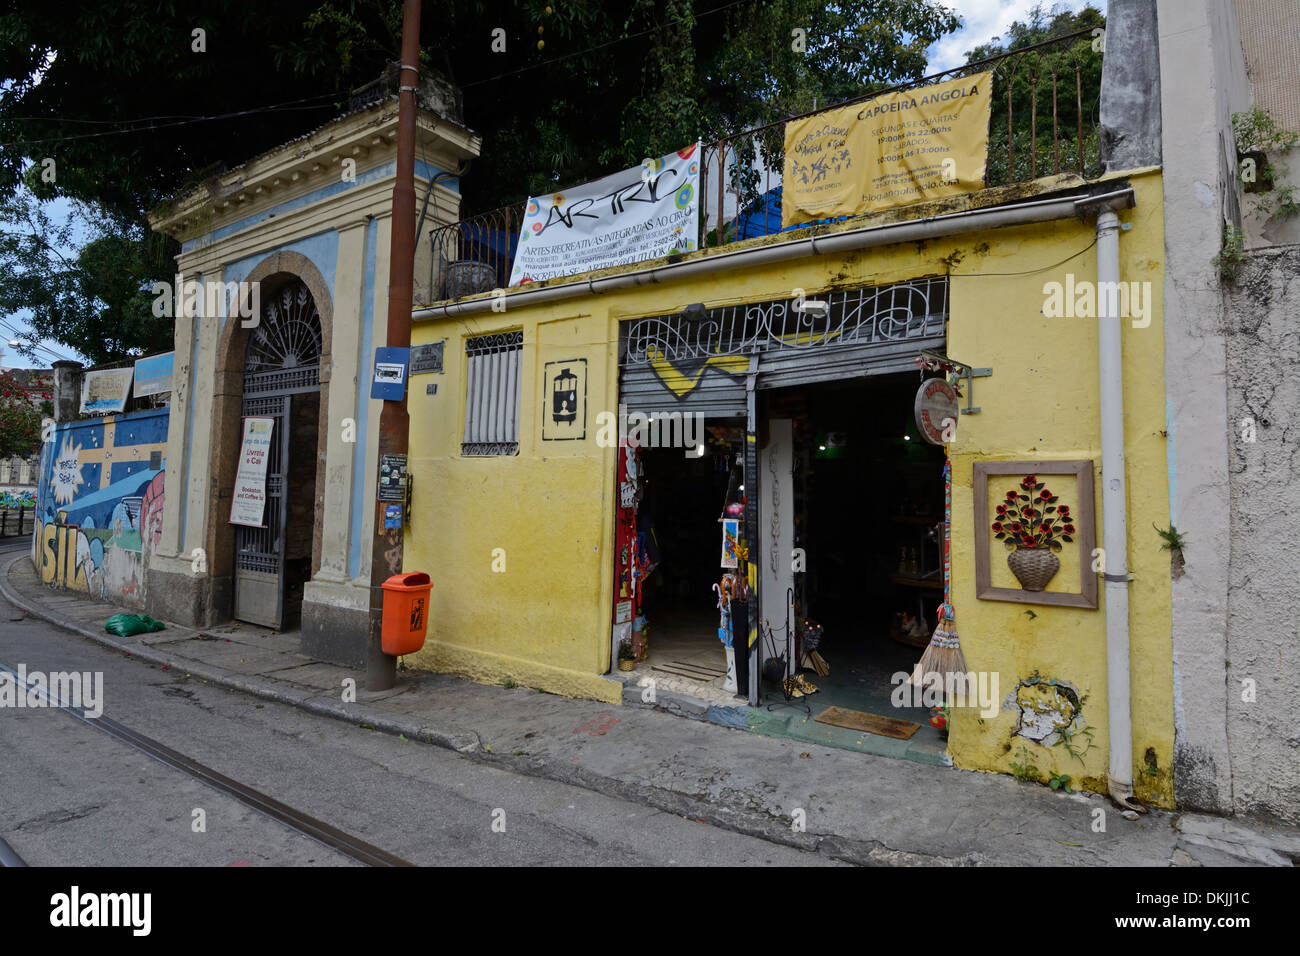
{"x":492,"y":394}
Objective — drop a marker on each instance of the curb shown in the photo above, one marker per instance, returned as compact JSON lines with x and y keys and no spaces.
{"x":308,"y":700}
{"x":767,"y":827}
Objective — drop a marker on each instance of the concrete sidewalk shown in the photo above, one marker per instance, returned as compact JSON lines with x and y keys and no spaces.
{"x":856,"y":807}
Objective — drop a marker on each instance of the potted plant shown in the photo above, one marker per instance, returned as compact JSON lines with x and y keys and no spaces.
{"x":626,"y":656}
{"x":1032,"y":526}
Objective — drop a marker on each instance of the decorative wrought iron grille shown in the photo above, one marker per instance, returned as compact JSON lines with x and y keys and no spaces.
{"x":892,"y":313}
{"x":284,"y":351}
{"x":492,"y":395}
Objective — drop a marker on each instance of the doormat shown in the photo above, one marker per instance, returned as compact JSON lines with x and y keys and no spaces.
{"x":701,"y":672}
{"x":868,"y":723}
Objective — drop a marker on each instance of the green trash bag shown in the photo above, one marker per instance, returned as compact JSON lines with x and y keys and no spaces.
{"x":125,"y":625}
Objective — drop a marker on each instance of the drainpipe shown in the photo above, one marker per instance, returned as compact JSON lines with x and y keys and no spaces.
{"x":1114,"y":513}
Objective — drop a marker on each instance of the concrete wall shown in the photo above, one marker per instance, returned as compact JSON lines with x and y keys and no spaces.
{"x":1232,"y":482}
{"x":99,"y":508}
{"x":1198,"y":39}
{"x":1270,"y":42}
{"x":1263,"y":655}
{"x":19,"y":474}
{"x":545,"y":619}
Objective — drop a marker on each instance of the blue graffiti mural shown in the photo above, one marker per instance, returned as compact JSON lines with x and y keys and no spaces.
{"x":99,"y":504}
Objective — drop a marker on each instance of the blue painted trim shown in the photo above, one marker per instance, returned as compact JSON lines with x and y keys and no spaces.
{"x":425,"y":171}
{"x":363,"y":401}
{"x":188,"y":437}
{"x":322,"y":249}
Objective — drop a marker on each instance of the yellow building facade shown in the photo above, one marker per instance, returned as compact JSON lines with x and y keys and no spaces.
{"x":521,"y":546}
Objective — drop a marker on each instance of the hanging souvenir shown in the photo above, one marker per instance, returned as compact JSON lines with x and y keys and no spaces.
{"x":943,"y":656}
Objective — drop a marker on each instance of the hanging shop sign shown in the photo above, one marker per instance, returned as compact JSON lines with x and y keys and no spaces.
{"x":248,"y":506}
{"x":892,"y":150}
{"x":104,"y":391}
{"x":153,"y":375}
{"x":936,"y":411}
{"x":646,"y":212}
{"x":730,"y":543}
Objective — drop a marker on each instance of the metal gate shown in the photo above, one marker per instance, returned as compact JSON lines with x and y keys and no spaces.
{"x":282,"y":360}
{"x":697,"y":362}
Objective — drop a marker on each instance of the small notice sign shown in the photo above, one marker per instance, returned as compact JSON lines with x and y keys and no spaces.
{"x":104,"y":391}
{"x":248,"y":505}
{"x":427,"y":358}
{"x":389,"y":381}
{"x":392,"y":478}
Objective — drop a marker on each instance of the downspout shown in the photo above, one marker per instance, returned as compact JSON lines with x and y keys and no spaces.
{"x":1114,"y":543}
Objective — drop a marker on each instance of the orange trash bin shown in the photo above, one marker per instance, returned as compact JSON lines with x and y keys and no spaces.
{"x":406,"y":612}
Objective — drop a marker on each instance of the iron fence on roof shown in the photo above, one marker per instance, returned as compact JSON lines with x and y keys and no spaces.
{"x":740,"y":174}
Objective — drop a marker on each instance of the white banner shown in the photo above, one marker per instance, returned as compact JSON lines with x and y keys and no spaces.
{"x":248,"y":505}
{"x":104,"y":391}
{"x":639,"y":214}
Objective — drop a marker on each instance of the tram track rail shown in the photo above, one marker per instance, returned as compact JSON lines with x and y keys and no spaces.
{"x":341,"y":841}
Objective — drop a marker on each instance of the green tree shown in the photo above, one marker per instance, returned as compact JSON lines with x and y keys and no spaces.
{"x":120,"y":104}
{"x":20,"y":418}
{"x":1027,"y":81}
{"x":93,"y":295}
{"x":111,"y":89}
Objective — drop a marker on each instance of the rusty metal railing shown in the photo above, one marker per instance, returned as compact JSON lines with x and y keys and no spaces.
{"x":475,"y":254}
{"x":1025,"y":78}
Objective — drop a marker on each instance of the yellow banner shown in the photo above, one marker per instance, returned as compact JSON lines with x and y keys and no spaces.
{"x":893,"y":150}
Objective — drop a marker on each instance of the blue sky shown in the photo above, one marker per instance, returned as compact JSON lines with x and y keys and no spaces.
{"x":983,"y":19}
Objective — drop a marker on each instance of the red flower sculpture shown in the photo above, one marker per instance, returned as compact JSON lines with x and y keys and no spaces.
{"x":1033,"y":519}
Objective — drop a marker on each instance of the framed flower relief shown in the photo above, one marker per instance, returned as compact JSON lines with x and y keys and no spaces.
{"x":1035,"y":531}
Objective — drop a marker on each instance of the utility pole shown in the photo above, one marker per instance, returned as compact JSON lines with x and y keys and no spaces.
{"x":394,"y":422}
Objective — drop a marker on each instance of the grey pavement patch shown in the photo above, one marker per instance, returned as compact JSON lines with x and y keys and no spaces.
{"x":323,"y":678}
{"x":53,"y":818}
{"x":1264,"y":847}
{"x":250,"y":660}
{"x":863,"y":809}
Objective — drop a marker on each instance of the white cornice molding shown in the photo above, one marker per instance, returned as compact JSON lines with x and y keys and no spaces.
{"x":305,"y":165}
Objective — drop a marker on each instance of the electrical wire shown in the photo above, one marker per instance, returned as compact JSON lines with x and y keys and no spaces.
{"x":34,"y":344}
{"x":288,"y":105}
{"x":1027,"y":272}
{"x":600,"y":46}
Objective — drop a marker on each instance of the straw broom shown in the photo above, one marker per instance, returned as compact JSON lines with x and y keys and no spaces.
{"x":943,"y":656}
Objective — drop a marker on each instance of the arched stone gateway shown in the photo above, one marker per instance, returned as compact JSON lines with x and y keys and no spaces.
{"x":281,"y":397}
{"x":289,"y":359}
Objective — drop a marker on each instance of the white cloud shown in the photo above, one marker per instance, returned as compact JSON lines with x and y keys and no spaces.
{"x":985,"y":19}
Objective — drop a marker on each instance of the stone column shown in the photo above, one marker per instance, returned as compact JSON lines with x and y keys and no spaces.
{"x":67,"y":390}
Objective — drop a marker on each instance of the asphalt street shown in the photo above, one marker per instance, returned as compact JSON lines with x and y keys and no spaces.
{"x":72,"y":795}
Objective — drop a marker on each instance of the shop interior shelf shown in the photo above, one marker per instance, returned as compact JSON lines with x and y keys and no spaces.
{"x":917,"y":582}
